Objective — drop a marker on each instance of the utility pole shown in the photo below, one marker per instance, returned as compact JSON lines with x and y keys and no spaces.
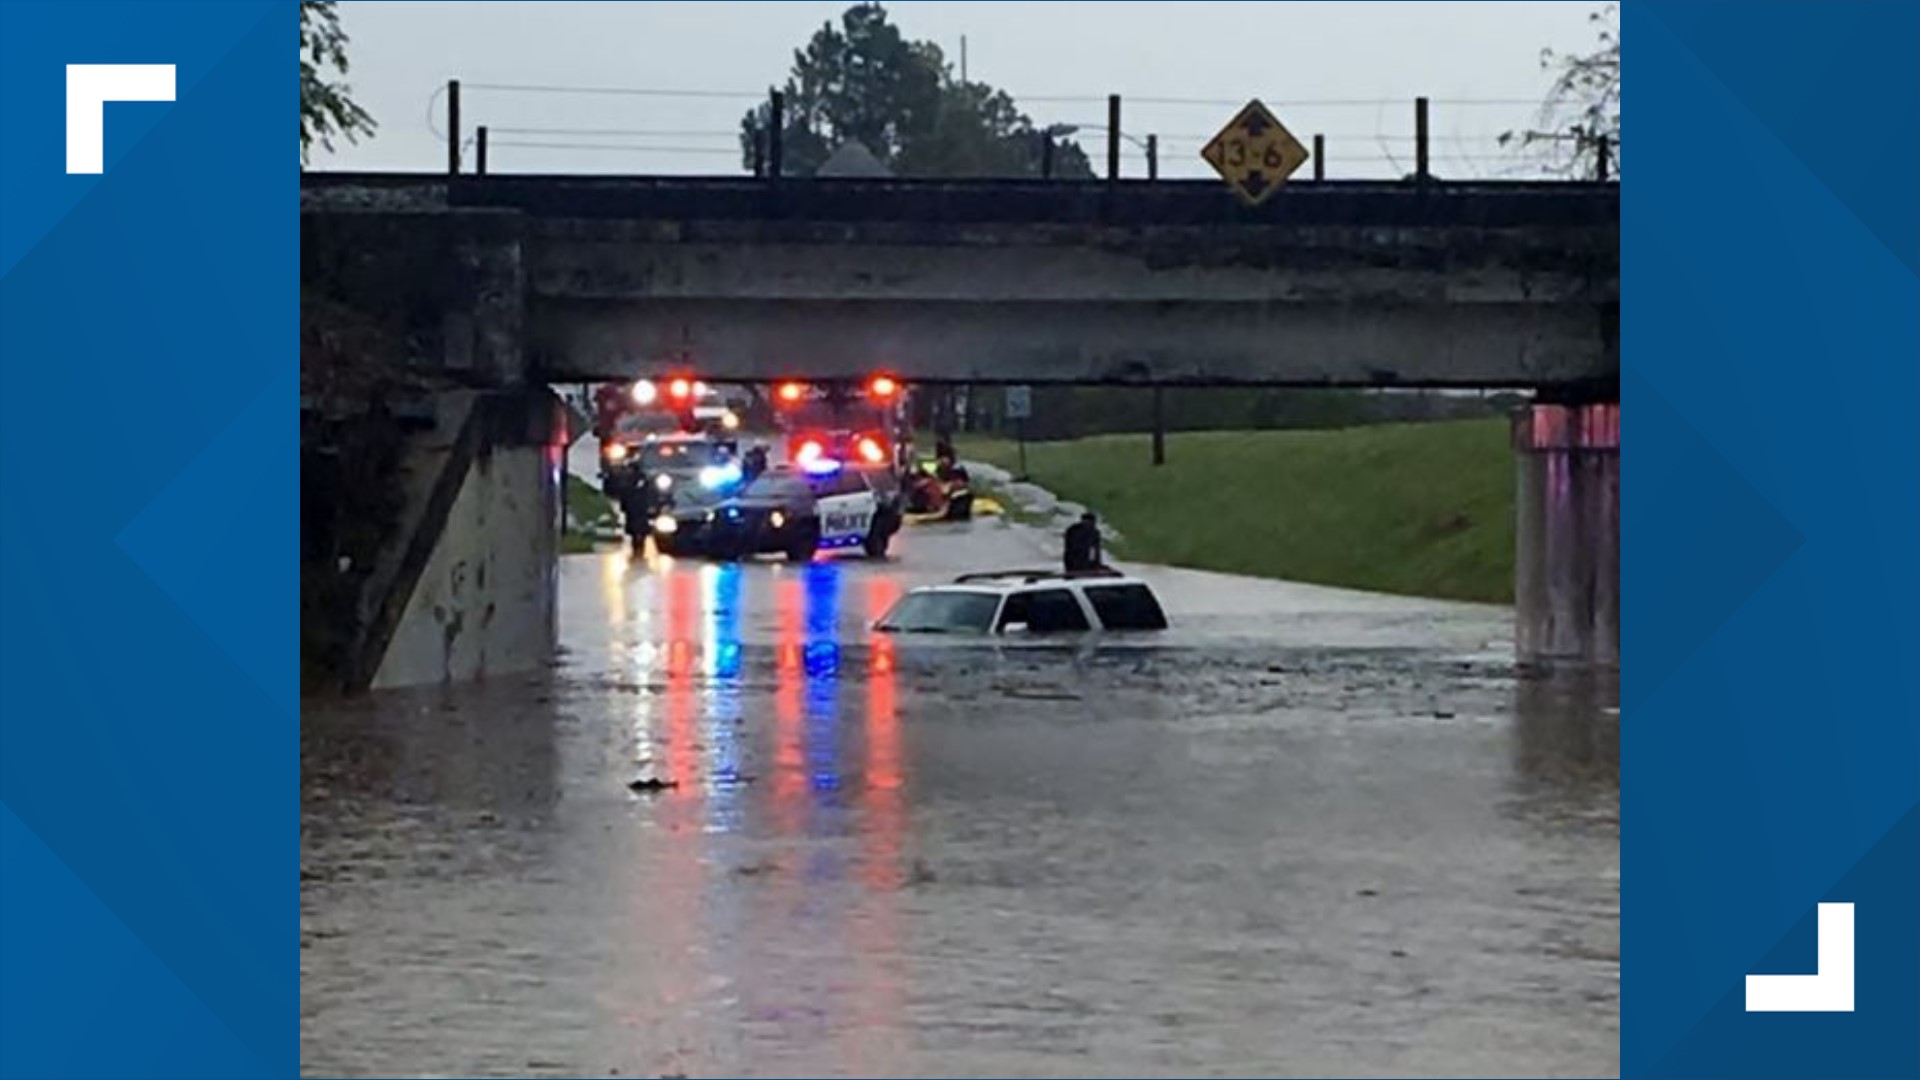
{"x":1159,"y":427}
{"x":453,"y":127}
{"x":776,"y":134}
{"x":1420,"y":139}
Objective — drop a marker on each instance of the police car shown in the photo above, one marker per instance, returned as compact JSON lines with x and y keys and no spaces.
{"x":1027,"y":602}
{"x":792,"y":510}
{"x":642,"y":474}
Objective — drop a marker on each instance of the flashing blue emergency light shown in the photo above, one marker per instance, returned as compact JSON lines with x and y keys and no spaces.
{"x":721,"y":476}
{"x":820,"y":466}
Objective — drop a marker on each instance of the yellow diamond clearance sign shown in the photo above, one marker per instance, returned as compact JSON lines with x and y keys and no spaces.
{"x":1255,"y":154}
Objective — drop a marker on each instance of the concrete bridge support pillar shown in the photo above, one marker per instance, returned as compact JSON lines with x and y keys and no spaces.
{"x":472,"y":586}
{"x":1567,"y":565}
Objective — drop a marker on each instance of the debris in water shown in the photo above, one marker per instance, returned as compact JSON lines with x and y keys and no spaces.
{"x":1368,"y":892}
{"x":921,"y":874}
{"x":1041,"y":695}
{"x":648,"y":785}
{"x":1442,"y":714}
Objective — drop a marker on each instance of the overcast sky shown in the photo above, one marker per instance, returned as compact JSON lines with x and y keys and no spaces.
{"x":1347,"y":70}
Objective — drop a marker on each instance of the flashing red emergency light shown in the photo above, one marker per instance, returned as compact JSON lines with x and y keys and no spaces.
{"x":809,"y":450}
{"x":790,"y":393}
{"x":680,"y":389}
{"x":882,"y":386}
{"x":871,"y":450}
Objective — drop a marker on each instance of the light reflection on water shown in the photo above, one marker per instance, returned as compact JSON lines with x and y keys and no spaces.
{"x":886,"y":860}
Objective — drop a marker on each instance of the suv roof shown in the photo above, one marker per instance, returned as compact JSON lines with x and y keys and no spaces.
{"x":1028,"y":577}
{"x":1000,"y":581}
{"x":1095,"y":593}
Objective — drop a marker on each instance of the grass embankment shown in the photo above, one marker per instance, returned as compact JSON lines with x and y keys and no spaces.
{"x":1416,"y":509}
{"x":585,"y":505}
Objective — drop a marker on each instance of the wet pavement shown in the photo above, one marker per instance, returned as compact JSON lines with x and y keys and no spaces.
{"x":1305,"y":833}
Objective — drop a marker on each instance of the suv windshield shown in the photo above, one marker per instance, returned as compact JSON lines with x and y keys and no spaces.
{"x":681,"y":456}
{"x":942,"y":613}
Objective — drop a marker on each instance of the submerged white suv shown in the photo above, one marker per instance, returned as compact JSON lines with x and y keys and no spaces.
{"x":1027,"y":602}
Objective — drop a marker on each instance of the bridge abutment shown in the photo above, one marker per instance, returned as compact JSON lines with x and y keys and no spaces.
{"x":467,"y":586}
{"x":1567,"y":534}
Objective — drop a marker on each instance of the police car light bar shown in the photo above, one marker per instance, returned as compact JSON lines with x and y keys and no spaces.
{"x":819,"y":466}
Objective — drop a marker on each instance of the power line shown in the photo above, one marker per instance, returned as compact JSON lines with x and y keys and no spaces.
{"x":637,"y":133}
{"x":1053,"y":99}
{"x":622,"y":91}
{"x":730,"y":152}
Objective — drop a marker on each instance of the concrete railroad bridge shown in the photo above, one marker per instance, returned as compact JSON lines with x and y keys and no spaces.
{"x":509,"y":283}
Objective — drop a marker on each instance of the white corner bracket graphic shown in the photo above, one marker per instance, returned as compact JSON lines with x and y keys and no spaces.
{"x":1829,"y":989}
{"x":89,"y":88}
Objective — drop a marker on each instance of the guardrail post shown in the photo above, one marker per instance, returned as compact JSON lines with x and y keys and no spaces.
{"x":453,"y":127}
{"x":1602,"y":158}
{"x":1113,"y":137}
{"x":480,"y":150}
{"x":1319,"y":157}
{"x":1153,"y":157}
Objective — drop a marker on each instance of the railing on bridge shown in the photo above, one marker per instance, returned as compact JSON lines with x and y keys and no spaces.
{"x":1410,"y":156}
{"x":1483,"y":204}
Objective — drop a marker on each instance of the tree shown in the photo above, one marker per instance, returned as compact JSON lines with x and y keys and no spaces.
{"x":863,"y":81}
{"x":1582,"y":110}
{"x":326,"y":110}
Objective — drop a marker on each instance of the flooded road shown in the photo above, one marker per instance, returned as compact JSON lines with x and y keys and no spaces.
{"x":1308,"y":833}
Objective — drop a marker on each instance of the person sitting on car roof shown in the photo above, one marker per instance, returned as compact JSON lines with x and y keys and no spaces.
{"x":1082,"y":548}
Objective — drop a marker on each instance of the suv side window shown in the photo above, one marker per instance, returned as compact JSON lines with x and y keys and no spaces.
{"x":1016,"y":609}
{"x":1045,"y":611}
{"x":1126,"y":607}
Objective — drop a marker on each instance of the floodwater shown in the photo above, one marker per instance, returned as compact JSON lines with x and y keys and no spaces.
{"x":1307,"y":833}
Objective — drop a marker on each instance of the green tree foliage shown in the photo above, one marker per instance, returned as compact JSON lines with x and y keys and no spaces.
{"x":865,"y":81}
{"x":326,"y":110}
{"x":1582,"y":109}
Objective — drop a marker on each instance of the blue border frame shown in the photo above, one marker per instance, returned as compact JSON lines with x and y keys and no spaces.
{"x":149,"y":723}
{"x":1771,"y":666}
{"x":148,"y":730}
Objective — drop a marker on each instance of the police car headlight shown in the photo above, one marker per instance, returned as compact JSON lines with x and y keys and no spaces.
{"x":777,"y":519}
{"x":663,"y":481}
{"x":665,"y":524}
